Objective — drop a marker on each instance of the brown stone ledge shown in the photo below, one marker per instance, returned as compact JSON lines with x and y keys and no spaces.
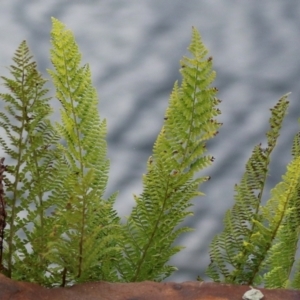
{"x":147,"y":290}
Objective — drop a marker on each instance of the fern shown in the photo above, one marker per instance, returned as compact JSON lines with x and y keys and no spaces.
{"x":259,"y":242}
{"x":60,"y":229}
{"x":56,"y":228}
{"x":169,"y":184}
{"x":2,"y":214}
{"x":73,"y":231}
{"x":31,"y":135}
{"x":281,"y":258}
{"x":83,"y":242}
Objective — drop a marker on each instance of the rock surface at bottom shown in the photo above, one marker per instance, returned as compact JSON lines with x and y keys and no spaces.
{"x":147,"y":290}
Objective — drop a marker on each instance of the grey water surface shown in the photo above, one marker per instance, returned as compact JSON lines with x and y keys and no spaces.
{"x":134,"y":48}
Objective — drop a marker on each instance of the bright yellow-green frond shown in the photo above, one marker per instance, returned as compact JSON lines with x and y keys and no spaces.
{"x":92,"y":227}
{"x":170,"y":183}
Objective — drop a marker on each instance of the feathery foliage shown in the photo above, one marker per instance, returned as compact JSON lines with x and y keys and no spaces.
{"x":56,"y":204}
{"x":169,"y":184}
{"x":83,"y":241}
{"x":259,"y":243}
{"x":56,"y":228}
{"x":29,"y":130}
{"x":69,"y":232}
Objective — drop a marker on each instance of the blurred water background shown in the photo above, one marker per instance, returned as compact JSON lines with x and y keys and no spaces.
{"x":134,"y":48}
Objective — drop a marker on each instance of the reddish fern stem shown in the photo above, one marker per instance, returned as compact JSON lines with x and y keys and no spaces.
{"x":2,"y":214}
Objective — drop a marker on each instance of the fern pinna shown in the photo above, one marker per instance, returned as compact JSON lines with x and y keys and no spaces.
{"x":169,"y":184}
{"x":254,"y":247}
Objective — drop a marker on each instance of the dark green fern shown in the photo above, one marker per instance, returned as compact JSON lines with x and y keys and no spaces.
{"x":259,"y":242}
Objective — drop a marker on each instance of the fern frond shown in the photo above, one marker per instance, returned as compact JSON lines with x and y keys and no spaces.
{"x":285,"y":207}
{"x":237,"y":253}
{"x":282,"y":214}
{"x":169,"y":184}
{"x":29,"y":133}
{"x":86,"y":230}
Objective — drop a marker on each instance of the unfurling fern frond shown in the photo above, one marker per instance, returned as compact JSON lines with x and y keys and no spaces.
{"x":169,"y":184}
{"x":85,"y":230}
{"x":256,"y":236}
{"x":29,"y":137}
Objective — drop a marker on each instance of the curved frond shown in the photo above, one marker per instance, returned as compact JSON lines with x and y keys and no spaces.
{"x":169,"y":184}
{"x":238,"y":252}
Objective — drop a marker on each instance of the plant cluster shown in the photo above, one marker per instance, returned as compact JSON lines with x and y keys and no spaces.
{"x":56,"y":227}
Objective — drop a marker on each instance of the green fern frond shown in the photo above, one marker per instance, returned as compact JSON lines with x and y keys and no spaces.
{"x":86,"y":230}
{"x":169,"y":184}
{"x":282,"y":214}
{"x":237,"y":253}
{"x":285,"y":206}
{"x":29,"y":135}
